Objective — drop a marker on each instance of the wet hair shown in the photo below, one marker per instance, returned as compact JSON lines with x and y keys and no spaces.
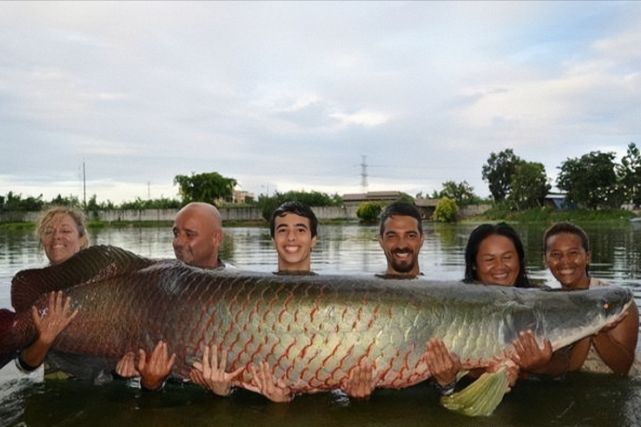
{"x":482,"y":232}
{"x":296,"y":208}
{"x":47,"y":217}
{"x":402,"y":209}
{"x":567,"y":227}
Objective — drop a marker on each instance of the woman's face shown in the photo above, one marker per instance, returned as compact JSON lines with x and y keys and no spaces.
{"x":497,"y":262}
{"x":61,"y":239}
{"x":568,"y":260}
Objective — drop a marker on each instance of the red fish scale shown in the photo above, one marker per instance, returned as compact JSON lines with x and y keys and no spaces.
{"x":316,"y":346}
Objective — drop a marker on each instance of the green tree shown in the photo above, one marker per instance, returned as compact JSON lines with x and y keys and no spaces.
{"x":71,"y":201}
{"x":368,"y":212}
{"x":446,"y":210}
{"x":268,"y":204}
{"x":204,"y":187}
{"x":405,"y":198}
{"x":629,"y":172}
{"x":462,"y":193}
{"x":529,"y":185}
{"x":93,"y":205}
{"x":14,"y":202}
{"x":162,"y":203}
{"x":498,"y":173}
{"x":591,"y":180}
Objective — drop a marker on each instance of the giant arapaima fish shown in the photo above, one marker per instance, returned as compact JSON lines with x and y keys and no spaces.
{"x":311,"y":329}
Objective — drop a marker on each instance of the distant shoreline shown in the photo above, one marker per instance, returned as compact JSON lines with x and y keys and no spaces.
{"x":250,"y":217}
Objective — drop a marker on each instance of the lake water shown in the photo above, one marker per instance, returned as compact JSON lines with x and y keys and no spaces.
{"x":580,"y":399}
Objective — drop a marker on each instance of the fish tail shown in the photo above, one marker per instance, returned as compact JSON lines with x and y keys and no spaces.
{"x":481,"y":397}
{"x":8,"y":350}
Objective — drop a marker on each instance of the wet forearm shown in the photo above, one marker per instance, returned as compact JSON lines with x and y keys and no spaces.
{"x":35,"y":354}
{"x":558,"y":365}
{"x":614,"y":354}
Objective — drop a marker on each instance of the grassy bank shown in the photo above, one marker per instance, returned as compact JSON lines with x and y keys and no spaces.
{"x":548,"y":215}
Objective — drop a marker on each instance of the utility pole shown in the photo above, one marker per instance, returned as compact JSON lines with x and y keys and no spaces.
{"x":148,"y":190}
{"x":84,"y":187}
{"x":364,"y":174}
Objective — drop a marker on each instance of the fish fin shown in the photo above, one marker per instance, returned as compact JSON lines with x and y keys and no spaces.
{"x":89,"y":265}
{"x":481,"y":397}
{"x":8,"y":351}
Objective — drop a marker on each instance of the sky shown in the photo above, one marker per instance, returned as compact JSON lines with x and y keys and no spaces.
{"x":291,"y":96}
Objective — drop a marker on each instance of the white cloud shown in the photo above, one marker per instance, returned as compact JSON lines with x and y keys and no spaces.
{"x":290,"y":95}
{"x":363,"y":118}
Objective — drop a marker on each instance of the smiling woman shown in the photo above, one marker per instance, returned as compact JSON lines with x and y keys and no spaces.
{"x":494,"y":255}
{"x":567,"y":255}
{"x":62,"y":233}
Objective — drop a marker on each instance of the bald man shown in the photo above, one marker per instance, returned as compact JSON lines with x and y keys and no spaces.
{"x":198,"y":233}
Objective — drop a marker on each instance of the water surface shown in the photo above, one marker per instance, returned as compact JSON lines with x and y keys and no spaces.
{"x":580,"y":399}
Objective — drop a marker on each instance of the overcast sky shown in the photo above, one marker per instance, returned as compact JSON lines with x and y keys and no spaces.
{"x":291,"y":95}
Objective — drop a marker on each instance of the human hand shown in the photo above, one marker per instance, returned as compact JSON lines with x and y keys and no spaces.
{"x":126,"y":367}
{"x":211,"y":374}
{"x":443,"y":365}
{"x":155,"y":368}
{"x":263,"y":382}
{"x":527,"y":353}
{"x":614,"y":322}
{"x":54,"y":319}
{"x":511,"y":368}
{"x":361,"y":381}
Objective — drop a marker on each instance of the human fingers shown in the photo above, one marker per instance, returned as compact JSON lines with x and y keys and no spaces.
{"x":206,"y":366}
{"x":256,"y":379}
{"x":223,"y":359}
{"x":234,"y":374}
{"x":530,"y":340}
{"x":51,"y":302}
{"x":170,"y":362}
{"x":368,"y":373}
{"x":142,"y":360}
{"x":162,"y":355}
{"x":125,"y":366}
{"x":268,"y":380}
{"x":59,"y":302}
{"x":35,"y":316}
{"x":196,"y":377}
{"x":66,"y":304}
{"x":158,"y":354}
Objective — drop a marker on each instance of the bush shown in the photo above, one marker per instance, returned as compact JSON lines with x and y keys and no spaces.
{"x":446,"y":210}
{"x":368,"y":212}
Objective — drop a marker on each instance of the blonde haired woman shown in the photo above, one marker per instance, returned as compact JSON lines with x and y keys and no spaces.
{"x":62,"y":233}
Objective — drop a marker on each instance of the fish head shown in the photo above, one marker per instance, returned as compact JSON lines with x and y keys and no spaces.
{"x":584,"y":313}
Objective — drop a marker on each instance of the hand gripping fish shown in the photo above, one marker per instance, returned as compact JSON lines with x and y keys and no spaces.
{"x":311,"y":329}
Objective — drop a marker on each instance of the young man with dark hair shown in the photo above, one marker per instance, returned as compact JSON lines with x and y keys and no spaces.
{"x":293,"y":228}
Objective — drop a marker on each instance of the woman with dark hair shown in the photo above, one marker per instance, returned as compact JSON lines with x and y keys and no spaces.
{"x":567,"y":255}
{"x":494,"y":255}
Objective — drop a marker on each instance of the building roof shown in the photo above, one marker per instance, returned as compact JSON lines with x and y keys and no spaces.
{"x":425,"y":202}
{"x":371,"y":195}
